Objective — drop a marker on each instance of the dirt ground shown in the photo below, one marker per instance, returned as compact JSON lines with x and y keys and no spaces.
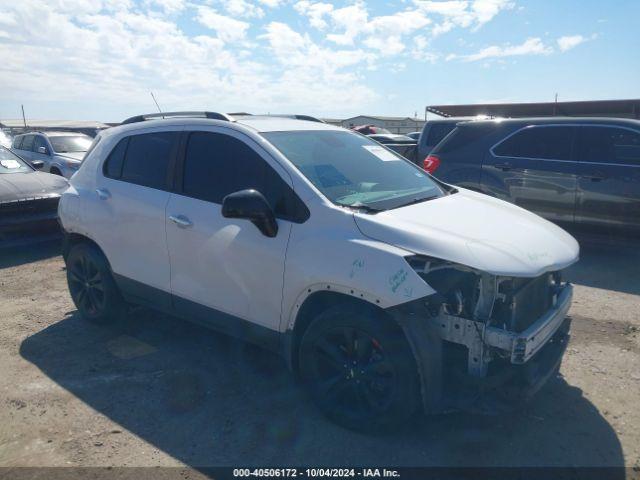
{"x":156,"y":391}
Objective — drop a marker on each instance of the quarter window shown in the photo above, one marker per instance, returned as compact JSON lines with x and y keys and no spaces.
{"x":216,"y":165}
{"x":115,"y":161}
{"x":609,"y":145}
{"x":438,"y":131}
{"x":550,"y":143}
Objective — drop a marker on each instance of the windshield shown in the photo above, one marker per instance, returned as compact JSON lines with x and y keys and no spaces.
{"x":11,"y":163}
{"x":70,"y":144}
{"x":354,"y":171}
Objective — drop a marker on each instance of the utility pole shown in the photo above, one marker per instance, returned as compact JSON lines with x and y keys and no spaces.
{"x":24,"y":120}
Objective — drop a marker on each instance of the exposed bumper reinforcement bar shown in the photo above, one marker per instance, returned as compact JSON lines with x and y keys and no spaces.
{"x":476,"y":336}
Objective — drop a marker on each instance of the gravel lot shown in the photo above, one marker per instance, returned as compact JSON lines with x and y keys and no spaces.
{"x":156,"y":391}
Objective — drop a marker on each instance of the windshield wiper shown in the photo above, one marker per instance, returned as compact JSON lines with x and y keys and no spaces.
{"x":417,"y":200}
{"x":361,"y":206}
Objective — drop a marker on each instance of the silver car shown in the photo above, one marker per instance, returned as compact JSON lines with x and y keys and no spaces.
{"x":61,"y":153}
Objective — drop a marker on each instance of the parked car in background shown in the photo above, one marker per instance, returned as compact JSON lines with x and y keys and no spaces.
{"x":432,"y":133}
{"x":370,"y":130}
{"x":28,"y":201}
{"x":386,"y":290}
{"x":60,"y":152}
{"x":414,"y":135}
{"x":5,"y":139}
{"x":583,"y":172}
{"x":401,"y":144}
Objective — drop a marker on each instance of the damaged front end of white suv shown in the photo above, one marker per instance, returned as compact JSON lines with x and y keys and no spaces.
{"x":489,"y":340}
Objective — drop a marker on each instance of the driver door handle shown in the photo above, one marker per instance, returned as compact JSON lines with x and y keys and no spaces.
{"x":103,"y":193}
{"x":181,"y":221}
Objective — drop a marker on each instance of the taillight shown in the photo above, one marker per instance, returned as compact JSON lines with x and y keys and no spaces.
{"x":431,"y":163}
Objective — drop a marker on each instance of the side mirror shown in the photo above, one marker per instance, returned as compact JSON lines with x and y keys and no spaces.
{"x":251,"y":205}
{"x":43,"y":150}
{"x":37,"y":164}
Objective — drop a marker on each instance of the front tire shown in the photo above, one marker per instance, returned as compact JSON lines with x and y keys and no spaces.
{"x":92,"y":288}
{"x":359,"y":369}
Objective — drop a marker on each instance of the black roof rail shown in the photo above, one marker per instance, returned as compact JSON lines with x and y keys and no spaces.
{"x":154,"y":116}
{"x":308,"y":118}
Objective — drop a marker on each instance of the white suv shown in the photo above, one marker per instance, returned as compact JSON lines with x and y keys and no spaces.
{"x":385,"y":289}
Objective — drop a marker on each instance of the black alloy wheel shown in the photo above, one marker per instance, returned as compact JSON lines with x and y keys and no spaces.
{"x":86,"y":285}
{"x":91,"y":285}
{"x":359,"y":368}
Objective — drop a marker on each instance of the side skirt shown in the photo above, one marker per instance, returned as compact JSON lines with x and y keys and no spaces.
{"x":151,"y":297}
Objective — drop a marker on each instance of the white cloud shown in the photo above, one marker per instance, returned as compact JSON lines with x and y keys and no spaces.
{"x":169,"y":6}
{"x":531,"y":46}
{"x":271,"y":3}
{"x":485,"y":10}
{"x":420,"y":50}
{"x":315,"y":12}
{"x":315,"y":72}
{"x":568,"y":42}
{"x":109,"y":59}
{"x":228,"y":29}
{"x":462,"y":13}
{"x":388,"y":34}
{"x":242,"y":8}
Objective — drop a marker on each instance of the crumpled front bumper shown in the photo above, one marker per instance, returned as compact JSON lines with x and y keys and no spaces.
{"x":502,"y":368}
{"x":520,"y":347}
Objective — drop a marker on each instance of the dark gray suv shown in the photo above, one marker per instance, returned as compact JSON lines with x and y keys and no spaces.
{"x":577,"y":171}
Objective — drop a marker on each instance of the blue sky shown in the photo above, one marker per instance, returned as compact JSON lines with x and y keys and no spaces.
{"x":98,"y":59}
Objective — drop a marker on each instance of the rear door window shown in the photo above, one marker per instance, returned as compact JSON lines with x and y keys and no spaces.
{"x":27,"y":143}
{"x":609,"y":145}
{"x":143,"y":159}
{"x":549,"y":143}
{"x":216,"y":165}
{"x":147,"y":159}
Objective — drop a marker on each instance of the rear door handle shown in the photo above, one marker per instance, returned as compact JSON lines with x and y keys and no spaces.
{"x":503,"y":166}
{"x":103,"y":193}
{"x":594,"y":177}
{"x":181,"y":221}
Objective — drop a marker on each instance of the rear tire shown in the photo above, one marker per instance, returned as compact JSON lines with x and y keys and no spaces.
{"x":55,"y":171}
{"x":91,"y":285}
{"x":359,"y":369}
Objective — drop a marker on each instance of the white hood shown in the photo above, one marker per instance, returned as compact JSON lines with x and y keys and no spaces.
{"x":475,"y":230}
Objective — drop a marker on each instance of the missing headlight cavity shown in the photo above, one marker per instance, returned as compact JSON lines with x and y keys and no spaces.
{"x":521,"y":301}
{"x":457,"y":287}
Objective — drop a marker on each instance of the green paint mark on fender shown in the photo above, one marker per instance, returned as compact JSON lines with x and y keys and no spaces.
{"x":397,"y":279}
